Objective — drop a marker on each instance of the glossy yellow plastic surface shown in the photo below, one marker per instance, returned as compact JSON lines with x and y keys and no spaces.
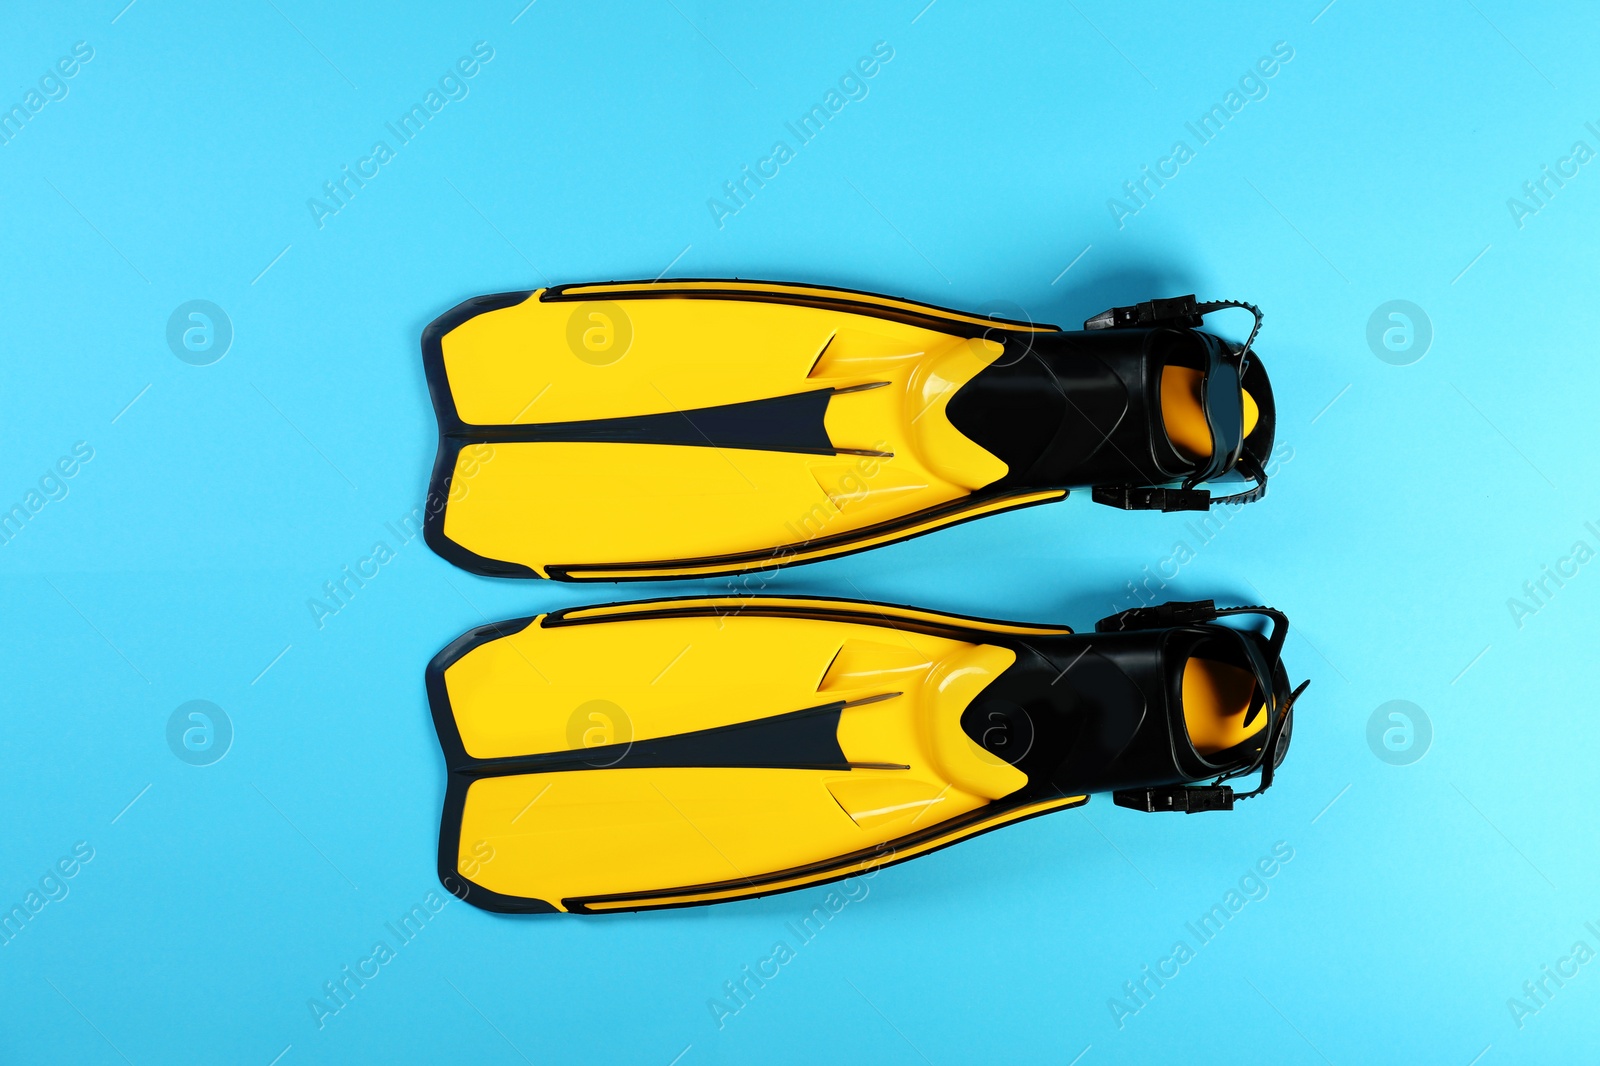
{"x":575,"y":505}
{"x":683,"y":834}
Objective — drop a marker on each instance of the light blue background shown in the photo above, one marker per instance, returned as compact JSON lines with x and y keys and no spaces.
{"x":978,"y":167}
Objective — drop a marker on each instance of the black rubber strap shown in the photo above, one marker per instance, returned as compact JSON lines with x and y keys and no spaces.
{"x":1218,"y":305}
{"x":1196,"y":612}
{"x":1222,"y":401}
{"x":1250,"y":467}
{"x":1280,"y":628}
{"x":1144,"y":498}
{"x":1178,"y":311}
{"x":1195,"y":799}
{"x":1275,"y":730}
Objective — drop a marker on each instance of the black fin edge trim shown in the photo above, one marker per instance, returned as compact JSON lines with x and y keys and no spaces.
{"x":664,"y":289}
{"x":818,"y":608}
{"x":455,"y":754}
{"x":761,"y":886}
{"x":450,"y":440}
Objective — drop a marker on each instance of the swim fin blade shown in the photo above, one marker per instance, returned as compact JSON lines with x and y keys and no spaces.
{"x":697,"y":428}
{"x":686,"y":751}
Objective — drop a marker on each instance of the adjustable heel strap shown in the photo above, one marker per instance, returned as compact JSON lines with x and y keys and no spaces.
{"x":1178,"y":311}
{"x":1199,"y":612}
{"x":1275,"y":638}
{"x":1218,"y":305}
{"x":1250,"y":467}
{"x":1269,"y":751}
{"x":1194,"y":799}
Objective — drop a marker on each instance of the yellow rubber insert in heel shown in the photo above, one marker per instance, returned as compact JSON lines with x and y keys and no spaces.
{"x":1216,"y":698}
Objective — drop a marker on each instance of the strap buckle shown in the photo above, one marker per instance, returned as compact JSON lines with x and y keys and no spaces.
{"x":1161,"y":616}
{"x":1178,"y":799}
{"x":1178,"y":311}
{"x":1140,"y":498}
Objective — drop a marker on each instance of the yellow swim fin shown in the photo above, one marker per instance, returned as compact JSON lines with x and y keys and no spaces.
{"x":694,"y":428}
{"x":645,"y":755}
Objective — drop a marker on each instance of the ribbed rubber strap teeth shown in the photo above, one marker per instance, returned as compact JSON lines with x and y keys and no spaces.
{"x":1217,"y":305}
